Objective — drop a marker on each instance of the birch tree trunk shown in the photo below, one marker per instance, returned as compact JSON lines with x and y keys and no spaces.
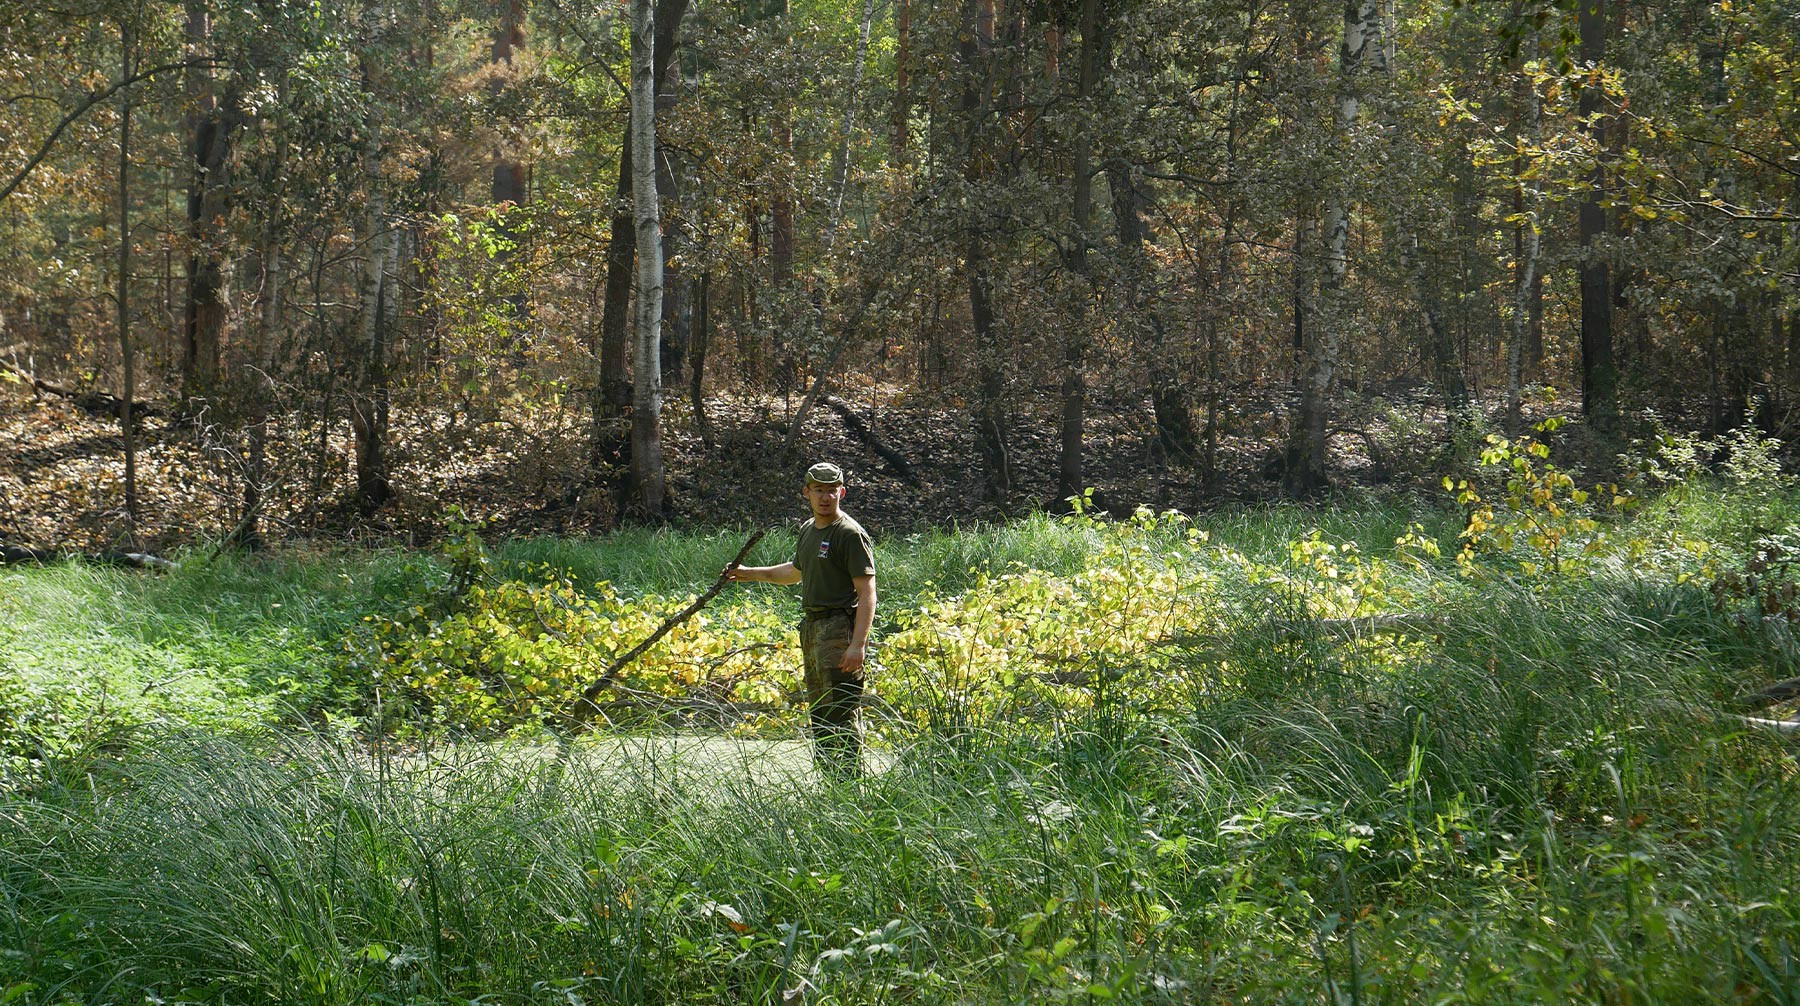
{"x":1323,"y":337}
{"x":615,"y":387}
{"x":646,"y":399}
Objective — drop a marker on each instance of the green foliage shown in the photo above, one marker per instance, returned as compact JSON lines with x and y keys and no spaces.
{"x":509,"y":653}
{"x":1029,"y":644}
{"x":1179,"y":766}
{"x":1536,"y":509}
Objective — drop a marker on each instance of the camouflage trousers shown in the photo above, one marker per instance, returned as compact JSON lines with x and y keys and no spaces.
{"x":832,"y":694}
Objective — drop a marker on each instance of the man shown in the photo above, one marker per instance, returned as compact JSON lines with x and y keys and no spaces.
{"x":835,"y":565}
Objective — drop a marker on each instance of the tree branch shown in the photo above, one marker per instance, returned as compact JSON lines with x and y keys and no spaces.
{"x":93,"y":99}
{"x":585,"y":707}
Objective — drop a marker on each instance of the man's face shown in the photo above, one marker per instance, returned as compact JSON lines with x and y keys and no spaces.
{"x":823,"y":498}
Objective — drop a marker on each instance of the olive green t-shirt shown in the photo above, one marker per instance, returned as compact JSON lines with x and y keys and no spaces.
{"x":829,"y":559}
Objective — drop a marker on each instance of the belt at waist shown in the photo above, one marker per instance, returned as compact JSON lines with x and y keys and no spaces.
{"x":828,"y":612}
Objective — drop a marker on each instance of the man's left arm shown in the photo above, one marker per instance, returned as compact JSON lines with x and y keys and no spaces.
{"x":855,"y":653}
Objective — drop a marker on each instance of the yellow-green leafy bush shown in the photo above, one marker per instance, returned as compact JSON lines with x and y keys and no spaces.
{"x":1026,"y":643}
{"x":513,"y":652}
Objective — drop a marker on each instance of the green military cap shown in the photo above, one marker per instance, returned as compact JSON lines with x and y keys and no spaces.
{"x":825,"y":473}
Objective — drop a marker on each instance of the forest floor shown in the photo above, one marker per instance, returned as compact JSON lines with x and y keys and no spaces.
{"x":524,"y":471}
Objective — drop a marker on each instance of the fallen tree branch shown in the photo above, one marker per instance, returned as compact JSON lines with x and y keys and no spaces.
{"x":131,"y":560}
{"x":1786,"y":727}
{"x":1780,"y":691}
{"x":585,"y":707}
{"x":860,"y":429}
{"x":98,"y":403}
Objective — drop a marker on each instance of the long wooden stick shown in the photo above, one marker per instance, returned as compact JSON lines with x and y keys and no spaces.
{"x":585,"y":707}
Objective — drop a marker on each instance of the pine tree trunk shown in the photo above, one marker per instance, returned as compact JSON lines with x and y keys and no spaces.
{"x":210,"y":128}
{"x":991,"y":419}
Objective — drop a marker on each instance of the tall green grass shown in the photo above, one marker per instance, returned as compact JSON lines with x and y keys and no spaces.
{"x":1259,"y":851}
{"x":1545,"y":796}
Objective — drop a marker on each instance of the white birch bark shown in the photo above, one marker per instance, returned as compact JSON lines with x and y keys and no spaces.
{"x":1362,"y":44}
{"x":646,"y":409}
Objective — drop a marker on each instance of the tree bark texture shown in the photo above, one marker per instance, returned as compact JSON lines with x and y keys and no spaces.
{"x":509,"y":34}
{"x":127,"y":349}
{"x":1527,"y":239}
{"x":991,"y":419}
{"x":902,"y":124}
{"x":1069,"y":478}
{"x":369,"y":399}
{"x":646,"y":399}
{"x":615,"y":390}
{"x":1323,"y":338}
{"x":210,"y":129}
{"x":1599,"y":378}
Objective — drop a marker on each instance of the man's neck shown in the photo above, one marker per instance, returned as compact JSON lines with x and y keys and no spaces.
{"x":820,"y":521}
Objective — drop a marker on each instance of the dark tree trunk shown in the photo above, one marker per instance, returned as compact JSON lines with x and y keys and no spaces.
{"x":902,"y":124}
{"x":1169,"y":402}
{"x":1069,"y":479}
{"x":701,"y":343}
{"x":991,"y":418}
{"x":614,"y":394}
{"x":509,"y":171}
{"x":127,"y":349}
{"x":676,"y":295}
{"x":509,"y":181}
{"x":1599,"y":377}
{"x":211,"y":127}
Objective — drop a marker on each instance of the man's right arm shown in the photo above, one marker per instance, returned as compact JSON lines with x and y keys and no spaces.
{"x":786,"y":573}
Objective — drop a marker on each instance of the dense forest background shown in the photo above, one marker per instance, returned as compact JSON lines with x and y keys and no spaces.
{"x":278,"y":266}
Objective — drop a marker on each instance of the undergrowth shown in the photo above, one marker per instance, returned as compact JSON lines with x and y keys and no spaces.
{"x":1485,"y":753}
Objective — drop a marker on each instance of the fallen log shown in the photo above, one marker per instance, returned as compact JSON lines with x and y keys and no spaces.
{"x":131,"y":560}
{"x":584,"y":708}
{"x":854,"y":423}
{"x":1785,"y":727}
{"x":97,"y":403}
{"x":1780,"y":691}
